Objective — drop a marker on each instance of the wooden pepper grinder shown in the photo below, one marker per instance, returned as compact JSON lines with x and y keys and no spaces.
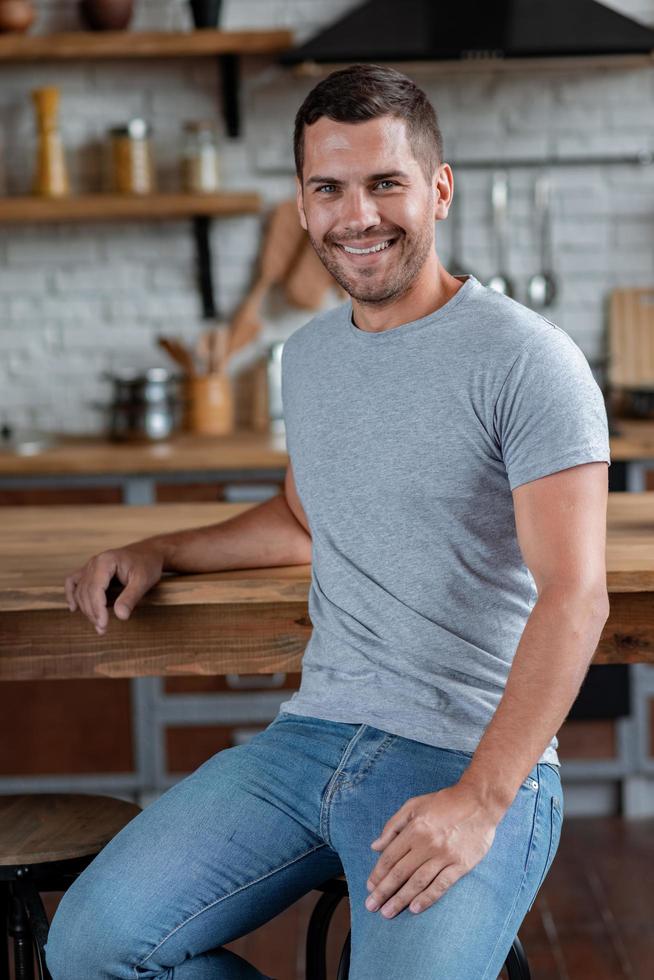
{"x":51,"y":178}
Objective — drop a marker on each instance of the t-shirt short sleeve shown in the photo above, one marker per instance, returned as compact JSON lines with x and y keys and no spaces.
{"x":550,"y":412}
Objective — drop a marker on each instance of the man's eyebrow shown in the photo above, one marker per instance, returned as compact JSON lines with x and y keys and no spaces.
{"x":335,"y":180}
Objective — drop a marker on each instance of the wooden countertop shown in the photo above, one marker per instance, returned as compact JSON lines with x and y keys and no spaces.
{"x":241,"y":621}
{"x":243,"y":449}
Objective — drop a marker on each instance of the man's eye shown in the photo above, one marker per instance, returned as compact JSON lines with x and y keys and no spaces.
{"x":393,"y":183}
{"x":323,"y":186}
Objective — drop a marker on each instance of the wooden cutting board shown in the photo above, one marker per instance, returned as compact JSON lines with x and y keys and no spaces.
{"x":631,"y":338}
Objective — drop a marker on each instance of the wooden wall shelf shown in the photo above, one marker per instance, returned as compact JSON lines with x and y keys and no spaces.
{"x":91,"y":45}
{"x":201,"y":208}
{"x":91,"y":207}
{"x":226,"y":46}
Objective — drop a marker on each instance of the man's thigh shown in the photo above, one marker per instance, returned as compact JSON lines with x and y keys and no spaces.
{"x":467,"y":933}
{"x":217,"y":855}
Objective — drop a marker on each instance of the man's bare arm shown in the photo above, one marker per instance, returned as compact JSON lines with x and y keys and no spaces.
{"x":275,"y":532}
{"x":561,"y":525}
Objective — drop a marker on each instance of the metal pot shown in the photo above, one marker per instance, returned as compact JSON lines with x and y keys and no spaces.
{"x":147,"y":405}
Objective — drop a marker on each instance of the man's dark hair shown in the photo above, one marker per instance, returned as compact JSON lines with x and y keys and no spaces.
{"x":360,"y":92}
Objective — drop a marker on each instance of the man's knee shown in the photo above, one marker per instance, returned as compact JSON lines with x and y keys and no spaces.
{"x":86,"y":941}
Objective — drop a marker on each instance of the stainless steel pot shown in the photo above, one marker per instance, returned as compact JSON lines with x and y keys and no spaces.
{"x":147,"y":406}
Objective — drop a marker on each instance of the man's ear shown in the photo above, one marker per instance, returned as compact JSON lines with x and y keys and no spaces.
{"x":443,"y":191}
{"x":300,"y":202}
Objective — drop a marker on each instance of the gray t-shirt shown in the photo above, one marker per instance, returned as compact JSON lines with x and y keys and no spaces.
{"x":405,"y":447}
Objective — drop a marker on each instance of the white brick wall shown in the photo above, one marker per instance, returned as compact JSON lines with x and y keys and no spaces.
{"x":78,"y":299}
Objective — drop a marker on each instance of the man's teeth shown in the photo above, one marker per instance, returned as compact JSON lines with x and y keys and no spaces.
{"x":367,"y":251}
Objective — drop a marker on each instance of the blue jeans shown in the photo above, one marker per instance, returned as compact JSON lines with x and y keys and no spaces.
{"x":259,"y":825}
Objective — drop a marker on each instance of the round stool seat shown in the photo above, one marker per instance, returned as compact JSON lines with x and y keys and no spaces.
{"x":36,"y":828}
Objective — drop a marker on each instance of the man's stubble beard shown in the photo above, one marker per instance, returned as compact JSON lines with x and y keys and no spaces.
{"x":392,"y":285}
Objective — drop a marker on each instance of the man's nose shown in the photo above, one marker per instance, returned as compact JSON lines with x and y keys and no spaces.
{"x":359,"y":211}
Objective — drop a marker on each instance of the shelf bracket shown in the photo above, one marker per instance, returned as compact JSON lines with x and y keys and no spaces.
{"x":229,"y":88}
{"x":201,"y":234}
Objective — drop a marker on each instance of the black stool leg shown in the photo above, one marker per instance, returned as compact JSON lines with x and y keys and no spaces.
{"x":344,"y":962}
{"x":20,"y":932}
{"x":316,"y":958}
{"x":38,"y":921}
{"x":516,"y":962}
{"x":4,"y":925}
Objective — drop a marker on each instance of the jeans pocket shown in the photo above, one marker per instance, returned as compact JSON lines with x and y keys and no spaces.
{"x":556,"y":825}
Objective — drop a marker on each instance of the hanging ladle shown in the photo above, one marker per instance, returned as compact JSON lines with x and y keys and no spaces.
{"x":500,"y":282}
{"x":542,"y":287}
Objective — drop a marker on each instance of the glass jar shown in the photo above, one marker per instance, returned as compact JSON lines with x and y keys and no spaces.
{"x":131,"y":169}
{"x":200,"y":163}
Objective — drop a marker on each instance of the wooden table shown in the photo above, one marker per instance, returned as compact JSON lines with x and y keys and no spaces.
{"x":253,"y":621}
{"x":249,"y":621}
{"x":242,"y":456}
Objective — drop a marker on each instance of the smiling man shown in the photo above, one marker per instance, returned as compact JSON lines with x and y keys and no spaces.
{"x":448,"y":483}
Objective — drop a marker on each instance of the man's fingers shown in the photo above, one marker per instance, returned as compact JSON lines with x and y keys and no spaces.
{"x":133,"y":591}
{"x":69,"y":589}
{"x":103,"y":572}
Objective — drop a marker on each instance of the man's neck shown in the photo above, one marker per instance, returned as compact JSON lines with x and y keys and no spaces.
{"x":431,"y":289}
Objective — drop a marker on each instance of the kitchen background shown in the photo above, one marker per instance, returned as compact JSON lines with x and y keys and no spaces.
{"x":79,"y":299}
{"x":76,"y":299}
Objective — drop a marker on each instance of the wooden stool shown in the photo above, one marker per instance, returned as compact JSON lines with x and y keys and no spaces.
{"x":334,"y":890}
{"x":46,"y":840}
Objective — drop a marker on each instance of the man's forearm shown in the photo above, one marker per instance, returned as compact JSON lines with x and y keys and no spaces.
{"x":549,"y":667}
{"x":260,"y":537}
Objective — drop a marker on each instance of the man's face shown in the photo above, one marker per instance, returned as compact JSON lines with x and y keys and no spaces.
{"x":363,"y":189}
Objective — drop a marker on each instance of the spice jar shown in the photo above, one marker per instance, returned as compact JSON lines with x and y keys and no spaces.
{"x":131,"y":169}
{"x":200,"y":165}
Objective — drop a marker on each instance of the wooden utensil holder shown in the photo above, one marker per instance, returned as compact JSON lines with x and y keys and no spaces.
{"x":210,"y":404}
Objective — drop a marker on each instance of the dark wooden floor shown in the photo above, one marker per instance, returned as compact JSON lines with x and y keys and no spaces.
{"x":593,"y":918}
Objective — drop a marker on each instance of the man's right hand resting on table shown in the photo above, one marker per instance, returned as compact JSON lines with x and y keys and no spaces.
{"x":275,"y":532}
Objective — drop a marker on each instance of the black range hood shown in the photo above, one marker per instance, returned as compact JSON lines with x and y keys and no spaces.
{"x":426,"y":30}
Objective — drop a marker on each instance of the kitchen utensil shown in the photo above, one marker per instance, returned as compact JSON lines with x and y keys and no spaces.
{"x":308,"y":279}
{"x":16,"y":16}
{"x":205,"y":13}
{"x":456,"y":265}
{"x":179,"y":353}
{"x":106,"y":15}
{"x":211,"y":404}
{"x":501,"y":281}
{"x":542,"y":286}
{"x":283,"y":237}
{"x":630,"y":349}
{"x":631,"y":338}
{"x":212,"y":348}
{"x":147,"y":405}
{"x":51,"y":178}
{"x":274,"y":377}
